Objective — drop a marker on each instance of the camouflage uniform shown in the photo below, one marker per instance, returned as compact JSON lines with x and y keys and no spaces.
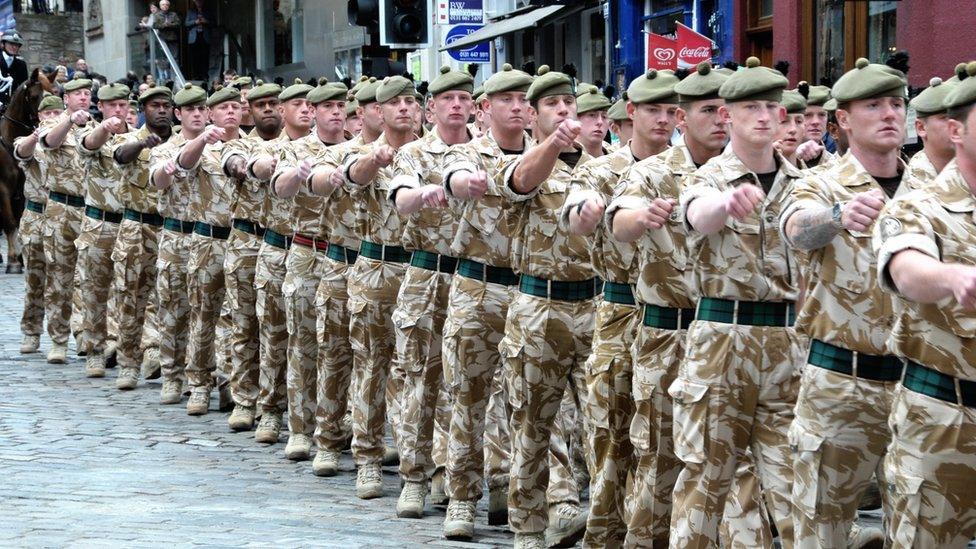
{"x":920,"y":169}
{"x":840,"y":431}
{"x":736,"y":386}
{"x":931,"y":462}
{"x":31,"y":233}
{"x":64,"y":214}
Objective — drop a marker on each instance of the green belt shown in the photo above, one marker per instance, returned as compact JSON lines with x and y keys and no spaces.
{"x":69,"y":199}
{"x":211,"y":231}
{"x":615,"y":292}
{"x":249,"y":227}
{"x":178,"y":225}
{"x":99,"y":214}
{"x":927,"y":381}
{"x":434,"y":262}
{"x":380,"y":252}
{"x":155,"y":220}
{"x":36,"y":207}
{"x":277,"y":240}
{"x":341,"y":254}
{"x":838,"y":359}
{"x":750,"y":313}
{"x":667,"y":318}
{"x":559,"y":289}
{"x":486,"y":273}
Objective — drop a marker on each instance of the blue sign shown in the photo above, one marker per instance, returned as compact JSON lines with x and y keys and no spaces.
{"x":475,"y":53}
{"x":465,"y":11}
{"x":7,"y":22}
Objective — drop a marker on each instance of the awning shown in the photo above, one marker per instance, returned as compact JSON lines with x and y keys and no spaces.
{"x":503,"y":27}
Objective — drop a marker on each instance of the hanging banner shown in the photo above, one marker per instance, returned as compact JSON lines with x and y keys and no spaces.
{"x":693,"y":48}
{"x":662,"y":52}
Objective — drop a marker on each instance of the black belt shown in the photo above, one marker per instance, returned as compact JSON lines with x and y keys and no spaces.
{"x":155,"y":220}
{"x":750,"y":313}
{"x":383,"y":252}
{"x":69,"y":199}
{"x":36,"y":207}
{"x":99,"y":214}
{"x":929,"y":382}
{"x":341,"y":253}
{"x":434,"y":262}
{"x":667,"y":318}
{"x":560,"y":289}
{"x":838,"y":359}
{"x":212,"y":231}
{"x":469,"y":268}
{"x":277,"y":239}
{"x":249,"y":227}
{"x":614,"y":292}
{"x":178,"y":225}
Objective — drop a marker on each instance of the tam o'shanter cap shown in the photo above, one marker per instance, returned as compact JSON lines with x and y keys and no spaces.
{"x":590,"y":99}
{"x":815,"y":96}
{"x":653,"y":86}
{"x":932,"y":99}
{"x":753,"y":83}
{"x":830,"y":105}
{"x":870,"y":80}
{"x":794,"y":102}
{"x":351,"y":107}
{"x":963,"y":93}
{"x":263,"y":90}
{"x":156,"y":91}
{"x":49,"y":102}
{"x":113,"y":92}
{"x":326,"y":91}
{"x":298,"y":89}
{"x":243,"y":82}
{"x":958,"y":74}
{"x":549,"y":83}
{"x":449,"y":80}
{"x":77,"y":83}
{"x":190,"y":95}
{"x":701,"y":85}
{"x":222,"y":95}
{"x":506,"y":80}
{"x":394,"y":86}
{"x":618,"y":111}
{"x":367,"y":94}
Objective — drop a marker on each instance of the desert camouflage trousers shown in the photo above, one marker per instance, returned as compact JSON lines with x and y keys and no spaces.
{"x":735,"y":392}
{"x":240,"y":262}
{"x":838,"y":438}
{"x":61,"y":227}
{"x":931,"y":472}
{"x":418,"y":321}
{"x":545,"y":341}
{"x":373,"y":287}
{"x":301,"y":283}
{"x":31,"y":234}
{"x":135,"y":254}
{"x":173,"y":313}
{"x":206,"y":290}
{"x":95,"y":274}
{"x":335,"y":363}
{"x":269,"y":275}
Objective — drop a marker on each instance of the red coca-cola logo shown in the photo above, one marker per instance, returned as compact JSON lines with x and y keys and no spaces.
{"x":700,"y":51}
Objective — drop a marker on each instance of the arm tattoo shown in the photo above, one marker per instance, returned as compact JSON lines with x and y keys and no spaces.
{"x":812,"y":230}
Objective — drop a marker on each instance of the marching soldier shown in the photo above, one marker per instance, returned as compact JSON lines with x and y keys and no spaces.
{"x":932,"y":127}
{"x":591,"y":110}
{"x":812,"y":150}
{"x":790,"y":132}
{"x":621,"y":126}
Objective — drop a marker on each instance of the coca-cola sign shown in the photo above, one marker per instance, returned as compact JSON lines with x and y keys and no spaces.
{"x":693,"y":48}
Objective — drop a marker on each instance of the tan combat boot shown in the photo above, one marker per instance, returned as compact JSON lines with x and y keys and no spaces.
{"x":369,"y":481}
{"x":171,"y":392}
{"x":412,"y":498}
{"x":30,"y":344}
{"x":199,"y":402}
{"x":268,"y":428}
{"x":128,"y":379}
{"x":58,"y":354}
{"x":95,"y":365}
{"x":326,"y":463}
{"x":242,"y":418}
{"x":567,"y":524}
{"x":150,"y":363}
{"x":459,"y":520}
{"x":532,"y":540}
{"x":298,"y":447}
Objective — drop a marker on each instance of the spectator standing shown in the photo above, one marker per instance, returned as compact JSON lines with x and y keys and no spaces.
{"x":13,"y":69}
{"x":199,"y":35}
{"x":168,"y":24}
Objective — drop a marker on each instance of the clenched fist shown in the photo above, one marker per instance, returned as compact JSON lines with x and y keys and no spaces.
{"x":304,"y":170}
{"x":742,"y":200}
{"x":169,"y":168}
{"x":566,"y":133}
{"x":114,"y":125}
{"x":808,"y":150}
{"x":434,"y":196}
{"x":859,"y":214}
{"x":592,"y":211}
{"x":79,"y":118}
{"x":964,"y":286}
{"x":382,"y":156}
{"x":151,"y":141}
{"x":212,"y":134}
{"x":656,"y":215}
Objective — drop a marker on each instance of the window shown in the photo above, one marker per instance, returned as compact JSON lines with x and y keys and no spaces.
{"x":881,"y":30}
{"x":843,"y":31}
{"x":829,"y":40}
{"x":661,"y":15}
{"x":759,"y":30}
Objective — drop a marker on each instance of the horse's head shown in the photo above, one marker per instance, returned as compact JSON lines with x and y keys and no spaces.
{"x":20,"y":117}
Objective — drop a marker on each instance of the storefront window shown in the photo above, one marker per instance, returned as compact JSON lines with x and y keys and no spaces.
{"x":829,"y":41}
{"x":663,"y":14}
{"x":881,"y":30}
{"x":598,"y":62}
{"x":288,"y":31}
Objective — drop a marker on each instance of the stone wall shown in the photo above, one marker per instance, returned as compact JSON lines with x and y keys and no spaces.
{"x":48,"y":38}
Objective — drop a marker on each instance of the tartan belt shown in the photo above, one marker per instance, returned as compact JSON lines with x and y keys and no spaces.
{"x":69,"y":199}
{"x":667,"y":318}
{"x":99,"y":214}
{"x":486,"y":273}
{"x":750,"y":313}
{"x":383,"y":252}
{"x":929,"y":382}
{"x":212,"y":231}
{"x":559,"y":289}
{"x":434,"y":262}
{"x":615,"y":292}
{"x":155,"y":220}
{"x":248,"y":227}
{"x":178,"y":225}
{"x":277,"y":239}
{"x":851,"y":363}
{"x":309,"y":242}
{"x":341,"y":254}
{"x":36,"y":207}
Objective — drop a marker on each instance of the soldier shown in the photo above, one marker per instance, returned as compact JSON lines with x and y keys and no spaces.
{"x":354,"y":123}
{"x":32,"y":223}
{"x":790,"y":132}
{"x":591,"y":110}
{"x":244,"y":84}
{"x":99,"y":228}
{"x":926,"y":256}
{"x":58,"y":138}
{"x":608,"y":371}
{"x":375,"y":280}
{"x":931,"y":125}
{"x":480,"y":124}
{"x":242,"y":253}
{"x":736,"y":386}
{"x":418,"y":192}
{"x":621,"y":127}
{"x":269,"y":276}
{"x":812,"y":150}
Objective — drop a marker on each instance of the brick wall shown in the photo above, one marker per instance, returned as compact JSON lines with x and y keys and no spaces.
{"x":47,"y":38}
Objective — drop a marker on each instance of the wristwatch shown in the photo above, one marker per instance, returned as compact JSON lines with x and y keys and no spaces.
{"x":836,"y":212}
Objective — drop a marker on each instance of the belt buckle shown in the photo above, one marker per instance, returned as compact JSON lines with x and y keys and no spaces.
{"x":548,"y":289}
{"x":958,"y":388}
{"x":681,"y":313}
{"x":854,"y":355}
{"x":735,"y":311}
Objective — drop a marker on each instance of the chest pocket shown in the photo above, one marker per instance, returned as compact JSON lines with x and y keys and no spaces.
{"x":740,"y":251}
{"x":851,"y":262}
{"x":548,"y":203}
{"x":960,"y":321}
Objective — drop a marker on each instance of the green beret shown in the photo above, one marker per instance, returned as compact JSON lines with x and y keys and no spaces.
{"x":77,"y":83}
{"x":958,"y":74}
{"x":222,"y":95}
{"x":653,"y":86}
{"x":50,"y":102}
{"x":618,"y":111}
{"x":815,"y":96}
{"x":242,"y":82}
{"x":794,"y":102}
{"x":351,"y":107}
{"x":327,"y":92}
{"x":589,"y":99}
{"x":478,"y":93}
{"x":932,"y":99}
{"x":449,"y":80}
{"x":363,"y":80}
{"x":113,"y":92}
{"x":724,"y":71}
{"x":156,"y":91}
{"x":753,"y":83}
{"x":831,"y":105}
{"x":549,"y":83}
{"x":963,"y":94}
{"x":299,"y":89}
{"x":367,"y":94}
{"x":701,"y":85}
{"x":190,"y":95}
{"x":869,"y":80}
{"x":393,"y":86}
{"x":263,"y":91}
{"x":506,"y":80}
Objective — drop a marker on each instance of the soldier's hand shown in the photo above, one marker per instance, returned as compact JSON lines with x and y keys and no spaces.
{"x":304,"y":170}
{"x":592,"y":211}
{"x":114,"y":125}
{"x":964,"y":286}
{"x":434,"y":196}
{"x":151,"y":141}
{"x":808,"y":150}
{"x":383,"y":156}
{"x":336,"y":179}
{"x":657,"y":214}
{"x":477,"y":184}
{"x":742,"y":200}
{"x":169,"y":168}
{"x":566,"y":133}
{"x":212,"y":134}
{"x":862,"y":210}
{"x":79,"y":118}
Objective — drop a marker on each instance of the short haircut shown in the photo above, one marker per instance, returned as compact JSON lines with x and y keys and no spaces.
{"x":961,"y":113}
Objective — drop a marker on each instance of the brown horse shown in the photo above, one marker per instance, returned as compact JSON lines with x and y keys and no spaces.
{"x":19,"y":119}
